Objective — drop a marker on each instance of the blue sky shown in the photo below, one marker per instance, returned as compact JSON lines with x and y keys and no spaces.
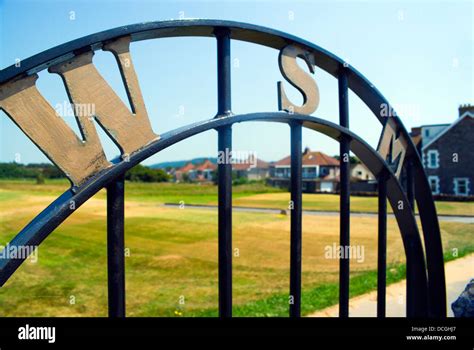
{"x":418,"y":54}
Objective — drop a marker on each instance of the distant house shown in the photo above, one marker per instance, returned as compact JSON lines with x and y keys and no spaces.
{"x":359,"y":172}
{"x":320,"y":172}
{"x":362,"y":180}
{"x":252,"y":170}
{"x":199,"y":172}
{"x":446,"y":151}
{"x":204,"y":171}
{"x":184,"y":172}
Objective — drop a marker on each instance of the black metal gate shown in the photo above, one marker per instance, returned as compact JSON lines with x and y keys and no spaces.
{"x":426,"y":294}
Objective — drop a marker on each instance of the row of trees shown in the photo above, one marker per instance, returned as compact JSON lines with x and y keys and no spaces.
{"x":140,"y":173}
{"x":29,"y":171}
{"x":49,"y":171}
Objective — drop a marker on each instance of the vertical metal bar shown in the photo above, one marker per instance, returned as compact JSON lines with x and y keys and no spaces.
{"x":411,"y":290}
{"x":223,"y":72}
{"x":382,"y":245}
{"x":344,"y":201}
{"x":225,"y":225}
{"x":411,"y":273}
{"x":410,"y":183}
{"x":296,"y":219}
{"x":115,"y":248}
{"x":224,"y":173}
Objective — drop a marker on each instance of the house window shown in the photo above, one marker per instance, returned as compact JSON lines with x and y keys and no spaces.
{"x":304,"y":186}
{"x":309,"y":172}
{"x":427,"y":132}
{"x":432,"y":159}
{"x":282,"y":172}
{"x":434,"y":184}
{"x":461,"y":186}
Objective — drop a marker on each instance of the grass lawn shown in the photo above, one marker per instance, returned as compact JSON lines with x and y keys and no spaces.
{"x":173,"y":254}
{"x":251,"y":195}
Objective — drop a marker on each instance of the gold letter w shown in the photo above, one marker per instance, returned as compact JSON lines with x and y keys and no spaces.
{"x":80,"y":159}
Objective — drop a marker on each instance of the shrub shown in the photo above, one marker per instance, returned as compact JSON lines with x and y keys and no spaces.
{"x":146,"y":174}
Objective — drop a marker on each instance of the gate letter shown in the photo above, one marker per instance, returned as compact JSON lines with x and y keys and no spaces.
{"x":393,"y":147}
{"x":299,"y":79}
{"x":130,"y":131}
{"x":78,"y":159}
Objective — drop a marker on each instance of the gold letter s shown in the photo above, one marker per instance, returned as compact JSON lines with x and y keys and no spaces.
{"x":299,"y":79}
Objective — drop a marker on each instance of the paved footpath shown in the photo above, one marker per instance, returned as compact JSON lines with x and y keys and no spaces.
{"x":458,"y":273}
{"x":452,"y":218}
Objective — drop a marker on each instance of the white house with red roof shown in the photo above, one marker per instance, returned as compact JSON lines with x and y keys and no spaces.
{"x":196,"y":172}
{"x":203,"y":172}
{"x":320,"y":172}
{"x":251,"y":169}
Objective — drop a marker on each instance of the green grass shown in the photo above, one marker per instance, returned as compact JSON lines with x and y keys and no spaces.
{"x":251,"y":195}
{"x":322,"y":296}
{"x":312,"y":299}
{"x":190,"y":193}
{"x":330,"y":202}
{"x":173,"y":253}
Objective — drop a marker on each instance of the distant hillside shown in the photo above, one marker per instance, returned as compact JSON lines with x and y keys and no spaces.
{"x":180,"y":163}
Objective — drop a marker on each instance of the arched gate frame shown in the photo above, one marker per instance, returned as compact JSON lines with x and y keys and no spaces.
{"x":426,"y":295}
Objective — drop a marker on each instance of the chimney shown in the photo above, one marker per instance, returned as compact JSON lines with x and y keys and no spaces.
{"x":415,"y":131}
{"x":306,"y":150}
{"x":465,"y":109}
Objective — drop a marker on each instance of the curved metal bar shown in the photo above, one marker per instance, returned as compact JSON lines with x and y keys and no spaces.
{"x":35,"y":232}
{"x":165,"y":29}
{"x":277,"y":40}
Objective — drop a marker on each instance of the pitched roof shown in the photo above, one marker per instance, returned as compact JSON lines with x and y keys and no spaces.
{"x":186,"y":168}
{"x":260,"y":164}
{"x":207,"y":165}
{"x":311,"y":158}
{"x":445,"y":131}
